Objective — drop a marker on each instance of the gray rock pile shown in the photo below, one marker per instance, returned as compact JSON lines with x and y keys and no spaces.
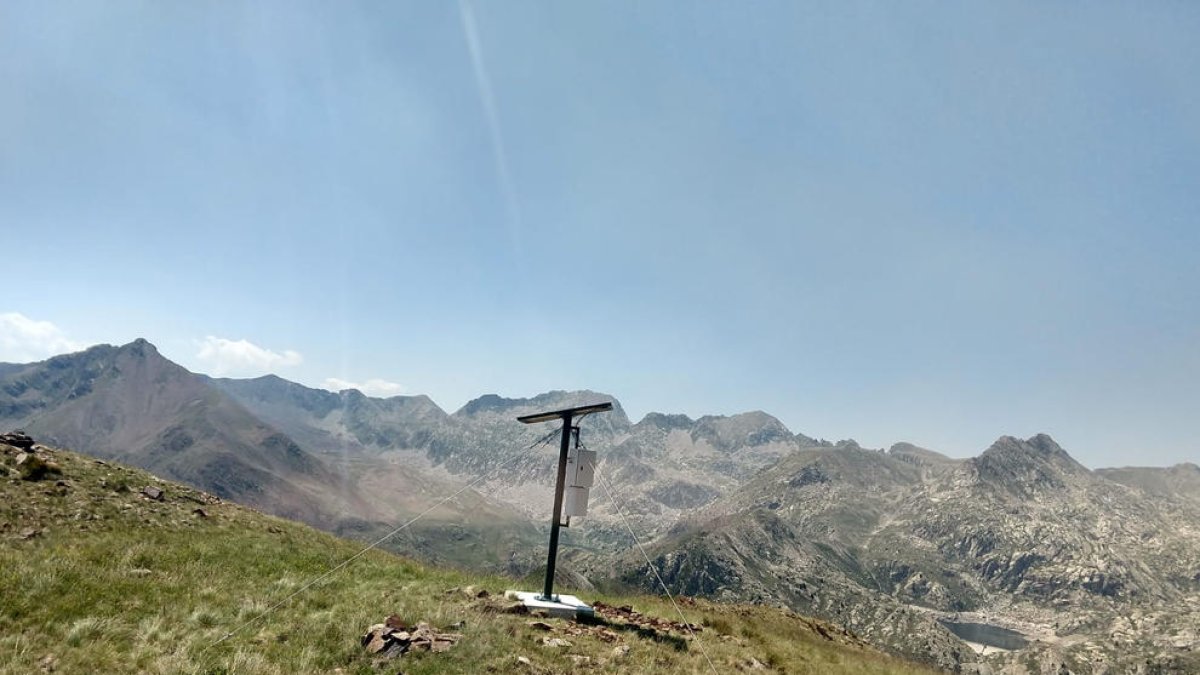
{"x":17,"y":439}
{"x":31,"y":461}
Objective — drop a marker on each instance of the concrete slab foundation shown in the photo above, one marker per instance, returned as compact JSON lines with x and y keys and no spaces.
{"x":560,"y":606}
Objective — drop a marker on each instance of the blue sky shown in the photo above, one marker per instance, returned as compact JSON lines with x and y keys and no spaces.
{"x":928,"y":222}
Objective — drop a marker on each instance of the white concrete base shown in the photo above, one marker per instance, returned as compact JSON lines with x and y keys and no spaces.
{"x":562,"y":606}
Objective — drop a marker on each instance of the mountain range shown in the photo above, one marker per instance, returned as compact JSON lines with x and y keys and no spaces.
{"x":1017,"y":560}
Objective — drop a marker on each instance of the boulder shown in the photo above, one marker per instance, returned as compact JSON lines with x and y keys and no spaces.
{"x":151,"y":492}
{"x":33,"y":467}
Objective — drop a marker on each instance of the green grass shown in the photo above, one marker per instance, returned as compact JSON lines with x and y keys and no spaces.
{"x":115,"y":582}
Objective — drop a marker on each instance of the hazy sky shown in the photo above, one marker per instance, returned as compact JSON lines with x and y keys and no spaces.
{"x":932,"y":222}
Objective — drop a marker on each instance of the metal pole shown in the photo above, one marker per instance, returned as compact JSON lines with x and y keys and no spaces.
{"x":548,"y":590}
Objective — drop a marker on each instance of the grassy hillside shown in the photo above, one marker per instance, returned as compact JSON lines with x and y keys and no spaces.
{"x":95,"y":576}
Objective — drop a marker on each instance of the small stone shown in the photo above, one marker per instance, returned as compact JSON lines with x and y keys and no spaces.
{"x":30,"y":533}
{"x":579,"y":659}
{"x":395,"y":650}
{"x":439,"y":646}
{"x":200,"y":512}
{"x":755,"y":664}
{"x":376,"y":643}
{"x":620,"y":651}
{"x":475,"y":592}
{"x":523,"y":660}
{"x":377,"y":630}
{"x":555,"y":642}
{"x":539,"y":625}
{"x":152,"y":492}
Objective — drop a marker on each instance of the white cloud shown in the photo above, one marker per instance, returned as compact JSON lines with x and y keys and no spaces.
{"x":224,"y":357}
{"x":23,"y":339}
{"x":372,"y":387}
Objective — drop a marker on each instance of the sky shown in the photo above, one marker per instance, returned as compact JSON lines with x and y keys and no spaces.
{"x":928,"y":222}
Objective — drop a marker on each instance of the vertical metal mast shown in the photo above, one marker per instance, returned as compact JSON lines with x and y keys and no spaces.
{"x":564,"y":447}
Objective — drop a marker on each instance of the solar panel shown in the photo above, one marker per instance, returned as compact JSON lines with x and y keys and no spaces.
{"x":567,"y":412}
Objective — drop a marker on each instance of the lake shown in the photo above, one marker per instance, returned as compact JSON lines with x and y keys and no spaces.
{"x":987,"y":634}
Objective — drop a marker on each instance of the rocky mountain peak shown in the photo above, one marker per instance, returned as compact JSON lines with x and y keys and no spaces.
{"x":487,"y":402}
{"x":140,"y":347}
{"x":1040,"y":446}
{"x":495,"y":405}
{"x":747,"y":429}
{"x":918,"y":455}
{"x":141,"y":355}
{"x":667,"y":422}
{"x":1026,"y":466}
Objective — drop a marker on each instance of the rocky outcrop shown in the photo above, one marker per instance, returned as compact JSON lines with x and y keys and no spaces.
{"x":1022,"y":537}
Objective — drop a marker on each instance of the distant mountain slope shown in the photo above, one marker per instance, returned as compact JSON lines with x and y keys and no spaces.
{"x":921,"y":456}
{"x":354,"y":464}
{"x":666,"y":465}
{"x":326,"y":421}
{"x":1021,"y":537}
{"x":132,"y":404}
{"x":1181,"y":481}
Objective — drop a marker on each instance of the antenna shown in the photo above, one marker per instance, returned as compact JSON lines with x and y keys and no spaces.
{"x":581,"y":480}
